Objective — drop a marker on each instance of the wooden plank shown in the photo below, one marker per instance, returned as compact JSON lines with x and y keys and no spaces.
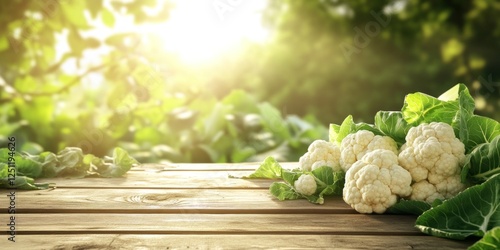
{"x":346,"y":224}
{"x":166,"y":201}
{"x":264,"y":241}
{"x":166,"y":179}
{"x":244,"y":166}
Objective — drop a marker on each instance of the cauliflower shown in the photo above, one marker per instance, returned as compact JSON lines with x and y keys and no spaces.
{"x":374,"y":183}
{"x":433,"y":156}
{"x":305,"y":185}
{"x":355,"y":146}
{"x":321,"y":153}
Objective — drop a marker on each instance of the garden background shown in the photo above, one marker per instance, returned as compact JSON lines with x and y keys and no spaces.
{"x":99,"y":74}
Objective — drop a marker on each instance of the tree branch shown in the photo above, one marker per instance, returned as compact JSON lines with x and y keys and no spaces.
{"x":58,"y":91}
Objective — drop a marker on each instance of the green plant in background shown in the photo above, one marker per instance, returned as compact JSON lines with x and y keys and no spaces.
{"x":154,"y":114}
{"x":134,"y":96}
{"x":19,"y":170}
{"x":236,"y":129}
{"x":396,"y":47}
{"x":35,"y":86}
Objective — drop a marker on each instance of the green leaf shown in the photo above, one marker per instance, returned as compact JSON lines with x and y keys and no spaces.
{"x":71,"y":163}
{"x":329,"y":183}
{"x":121,"y":163}
{"x":107,"y":17}
{"x":466,"y":107}
{"x":50,"y":165}
{"x":118,"y":40}
{"x":365,"y":126}
{"x":409,"y":207}
{"x":333,"y":132}
{"x":76,"y":42}
{"x":273,"y":121}
{"x":290,"y":176}
{"x":4,"y":43}
{"x":345,"y":128}
{"x":454,"y":93}
{"x":483,"y":162}
{"x":269,"y":169}
{"x":453,"y":107}
{"x":472,"y":212}
{"x":422,"y":108}
{"x":490,"y":241}
{"x":26,"y":164}
{"x":481,"y":130}
{"x":241,"y":101}
{"x":348,"y":127}
{"x":282,"y":191}
{"x":18,"y":182}
{"x":392,"y":124}
{"x":74,"y":14}
{"x":241,"y":155}
{"x":23,"y":182}
{"x":324,"y":175}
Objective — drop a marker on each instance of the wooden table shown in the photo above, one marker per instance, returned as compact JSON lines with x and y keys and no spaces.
{"x":196,"y":206}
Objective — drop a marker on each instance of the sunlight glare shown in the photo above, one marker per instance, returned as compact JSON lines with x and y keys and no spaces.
{"x":198,"y":32}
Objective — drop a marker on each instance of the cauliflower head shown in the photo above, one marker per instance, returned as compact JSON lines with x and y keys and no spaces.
{"x":305,"y":185}
{"x":375,"y":182}
{"x":356,"y":145}
{"x":434,"y":157}
{"x":321,"y":153}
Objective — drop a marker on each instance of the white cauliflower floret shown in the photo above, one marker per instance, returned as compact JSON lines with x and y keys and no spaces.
{"x":355,"y":146}
{"x":433,"y":156}
{"x":305,"y":185}
{"x":321,"y":153}
{"x":375,"y":182}
{"x":423,"y":190}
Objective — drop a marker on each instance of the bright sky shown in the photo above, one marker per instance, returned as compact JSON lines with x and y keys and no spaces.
{"x":197,"y":31}
{"x":200,"y":30}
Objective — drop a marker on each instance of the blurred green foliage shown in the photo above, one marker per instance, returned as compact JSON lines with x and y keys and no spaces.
{"x":332,"y":58}
{"x":326,"y":60}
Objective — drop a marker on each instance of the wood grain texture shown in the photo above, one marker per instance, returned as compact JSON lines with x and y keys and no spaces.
{"x":166,"y":179}
{"x":167,"y":201}
{"x":345,"y":224}
{"x":245,"y":166}
{"x":196,"y":206}
{"x":264,"y":241}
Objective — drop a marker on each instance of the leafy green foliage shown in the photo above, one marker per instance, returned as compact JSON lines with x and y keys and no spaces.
{"x":144,"y":91}
{"x":338,"y":133}
{"x":481,"y":130}
{"x":283,"y":191}
{"x":420,"y":46}
{"x":392,"y":124}
{"x":69,"y":162}
{"x":269,"y":169}
{"x":114,"y":166}
{"x":422,"y":108}
{"x":453,"y":107}
{"x":23,"y":182}
{"x":409,"y":207}
{"x":26,"y":164}
{"x":472,"y":212}
{"x":483,"y":162}
{"x":490,"y":241}
{"x":328,"y":182}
